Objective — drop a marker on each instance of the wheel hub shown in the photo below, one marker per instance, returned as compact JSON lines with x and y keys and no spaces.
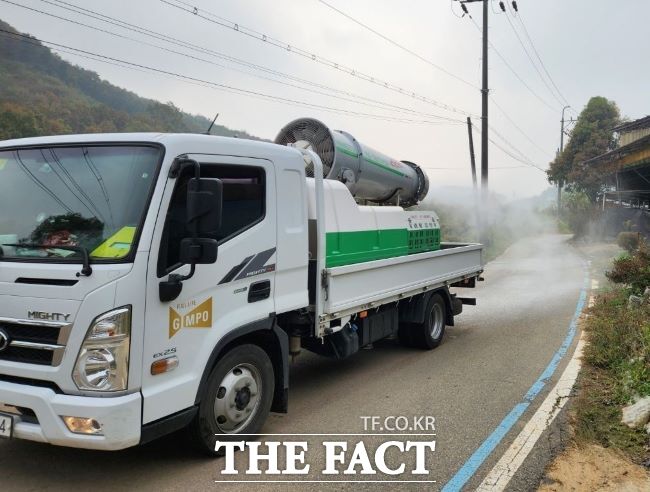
{"x":242,"y":398}
{"x":237,"y":398}
{"x":436,"y":321}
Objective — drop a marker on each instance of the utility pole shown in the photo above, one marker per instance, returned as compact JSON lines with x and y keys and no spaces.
{"x":484,"y":116}
{"x":560,"y":183}
{"x":472,"y":160}
{"x":562,"y":132}
{"x":471,"y":154}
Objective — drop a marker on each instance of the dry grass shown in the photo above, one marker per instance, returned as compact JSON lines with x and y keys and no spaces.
{"x":616,"y":368}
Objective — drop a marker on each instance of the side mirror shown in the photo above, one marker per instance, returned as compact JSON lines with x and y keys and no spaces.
{"x":204,"y":211}
{"x":204,"y":206}
{"x":200,"y":251}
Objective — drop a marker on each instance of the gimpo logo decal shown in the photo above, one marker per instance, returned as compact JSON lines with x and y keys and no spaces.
{"x":198,"y":316}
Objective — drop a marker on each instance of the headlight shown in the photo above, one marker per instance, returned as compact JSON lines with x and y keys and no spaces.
{"x":103,"y":361}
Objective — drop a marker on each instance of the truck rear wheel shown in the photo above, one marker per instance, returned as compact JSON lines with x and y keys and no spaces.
{"x":428,"y":334}
{"x":237,"y":398}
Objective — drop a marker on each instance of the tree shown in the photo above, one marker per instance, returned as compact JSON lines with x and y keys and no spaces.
{"x":16,"y":122}
{"x":578,"y":212}
{"x":591,"y":136}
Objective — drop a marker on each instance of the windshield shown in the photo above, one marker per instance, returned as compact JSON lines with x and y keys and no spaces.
{"x":55,"y":202}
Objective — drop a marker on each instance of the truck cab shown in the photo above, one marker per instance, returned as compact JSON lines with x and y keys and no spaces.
{"x":90,"y":356}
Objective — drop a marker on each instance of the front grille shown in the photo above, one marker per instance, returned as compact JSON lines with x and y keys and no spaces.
{"x":30,"y":333}
{"x":34,"y":342}
{"x":28,"y":355}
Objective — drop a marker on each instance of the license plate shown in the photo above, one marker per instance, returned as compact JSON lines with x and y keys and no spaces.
{"x":6,"y":425}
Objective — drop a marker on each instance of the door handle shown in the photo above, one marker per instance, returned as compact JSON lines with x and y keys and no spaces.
{"x":259,"y":291}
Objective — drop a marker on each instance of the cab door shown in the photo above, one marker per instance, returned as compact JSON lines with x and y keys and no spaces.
{"x":236,"y":290}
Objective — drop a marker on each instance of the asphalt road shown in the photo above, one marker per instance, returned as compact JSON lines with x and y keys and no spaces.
{"x":486,"y":364}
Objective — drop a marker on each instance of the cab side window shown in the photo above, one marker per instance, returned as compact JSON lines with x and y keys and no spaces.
{"x":244,"y":201}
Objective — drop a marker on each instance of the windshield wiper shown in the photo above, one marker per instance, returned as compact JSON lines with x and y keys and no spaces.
{"x":86,"y":269}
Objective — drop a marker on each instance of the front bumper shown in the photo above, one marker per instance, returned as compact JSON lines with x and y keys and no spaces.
{"x":120,"y":417}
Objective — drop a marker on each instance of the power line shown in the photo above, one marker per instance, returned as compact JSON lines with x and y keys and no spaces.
{"x":398,"y":45}
{"x":289,"y":48}
{"x":515,"y":157}
{"x":132,"y":28}
{"x":39,"y":183}
{"x":521,"y":21}
{"x":519,"y":156}
{"x":505,"y":140}
{"x":365,"y":26}
{"x":74,"y":183}
{"x":519,"y":153}
{"x":514,"y":72}
{"x":100,"y":179}
{"x":378,"y":104}
{"x":388,"y":106}
{"x":495,"y":11}
{"x":518,"y":128}
{"x":186,"y":45}
{"x":215,"y":85}
{"x":139,"y":67}
{"x":532,"y":62}
{"x":451,"y":6}
{"x":523,"y":158}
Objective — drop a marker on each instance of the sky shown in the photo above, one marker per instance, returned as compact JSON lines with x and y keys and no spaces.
{"x":588,"y":47}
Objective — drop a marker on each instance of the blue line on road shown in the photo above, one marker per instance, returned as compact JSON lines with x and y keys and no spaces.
{"x":479,"y":456}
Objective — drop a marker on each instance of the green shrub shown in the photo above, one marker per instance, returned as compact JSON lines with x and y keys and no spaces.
{"x":629,"y":241}
{"x":632,"y":269}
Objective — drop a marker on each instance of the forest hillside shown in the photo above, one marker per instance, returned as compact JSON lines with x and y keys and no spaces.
{"x":41,"y":94}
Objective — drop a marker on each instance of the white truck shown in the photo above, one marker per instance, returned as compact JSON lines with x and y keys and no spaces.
{"x":119,"y":322}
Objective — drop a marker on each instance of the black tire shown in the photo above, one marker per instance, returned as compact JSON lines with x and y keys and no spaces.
{"x":428,"y":335}
{"x":240,"y":386}
{"x":405,"y":334}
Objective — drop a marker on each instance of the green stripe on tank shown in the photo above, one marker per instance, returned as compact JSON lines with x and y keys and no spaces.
{"x":346,"y":151}
{"x":347,"y":248}
{"x":374,"y":162}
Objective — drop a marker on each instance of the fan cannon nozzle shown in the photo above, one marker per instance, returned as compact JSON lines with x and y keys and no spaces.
{"x":369,"y":175}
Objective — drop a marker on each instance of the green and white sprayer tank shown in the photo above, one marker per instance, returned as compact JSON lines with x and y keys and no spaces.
{"x":354,"y":173}
{"x":368,"y":174}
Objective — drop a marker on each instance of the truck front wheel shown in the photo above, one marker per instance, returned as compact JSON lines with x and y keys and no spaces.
{"x":237,"y":397}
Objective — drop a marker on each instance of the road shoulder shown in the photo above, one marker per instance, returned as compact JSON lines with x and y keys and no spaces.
{"x":602,"y":453}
